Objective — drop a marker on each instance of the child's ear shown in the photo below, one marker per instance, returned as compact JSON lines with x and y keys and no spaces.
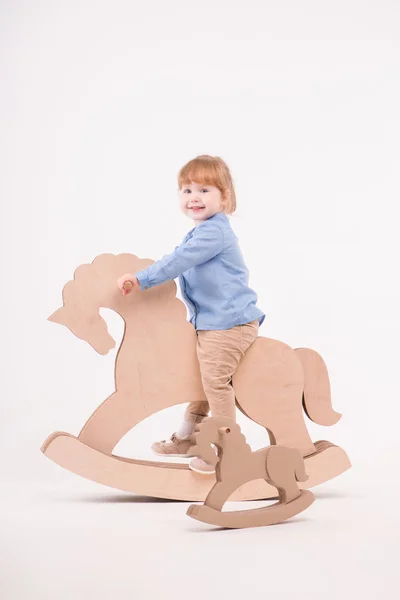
{"x":225,"y":196}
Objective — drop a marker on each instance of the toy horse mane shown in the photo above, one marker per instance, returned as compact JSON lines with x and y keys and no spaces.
{"x":223,"y":434}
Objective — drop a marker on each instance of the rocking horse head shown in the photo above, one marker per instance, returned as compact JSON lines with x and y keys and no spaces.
{"x":94,"y":286}
{"x":223,"y":433}
{"x":85,"y":322}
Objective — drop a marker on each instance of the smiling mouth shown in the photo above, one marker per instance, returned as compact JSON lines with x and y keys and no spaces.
{"x":196,"y":207}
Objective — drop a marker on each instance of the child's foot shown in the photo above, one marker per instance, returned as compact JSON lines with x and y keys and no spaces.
{"x":200,"y":466}
{"x":174,"y":447}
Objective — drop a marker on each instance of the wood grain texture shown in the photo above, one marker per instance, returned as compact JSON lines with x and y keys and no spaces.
{"x":281,"y":467}
{"x":156,"y":367}
{"x":171,"y":480}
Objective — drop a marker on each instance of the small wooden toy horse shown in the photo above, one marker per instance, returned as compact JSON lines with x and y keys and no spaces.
{"x":236,"y":464}
{"x":156,"y":367}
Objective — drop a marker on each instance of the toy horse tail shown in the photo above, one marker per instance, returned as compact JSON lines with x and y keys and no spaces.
{"x":317,"y":402}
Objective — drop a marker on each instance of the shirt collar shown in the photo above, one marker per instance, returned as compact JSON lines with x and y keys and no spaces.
{"x":217,"y":216}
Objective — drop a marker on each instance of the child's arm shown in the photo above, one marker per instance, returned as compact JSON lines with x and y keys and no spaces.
{"x":207,"y":242}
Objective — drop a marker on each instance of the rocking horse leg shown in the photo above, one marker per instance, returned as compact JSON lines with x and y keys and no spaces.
{"x":295,"y":435}
{"x":117,"y":415}
{"x":283,"y":466}
{"x":210,"y":511}
{"x":219,"y":494}
{"x":286,"y":494}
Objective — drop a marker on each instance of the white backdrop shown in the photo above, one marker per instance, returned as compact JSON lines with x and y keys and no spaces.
{"x":103,"y":102}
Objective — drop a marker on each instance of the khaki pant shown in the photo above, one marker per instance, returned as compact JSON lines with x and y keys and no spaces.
{"x":219,"y":353}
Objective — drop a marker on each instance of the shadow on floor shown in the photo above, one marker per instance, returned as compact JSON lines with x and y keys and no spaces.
{"x":120,"y":499}
{"x":136,"y":499}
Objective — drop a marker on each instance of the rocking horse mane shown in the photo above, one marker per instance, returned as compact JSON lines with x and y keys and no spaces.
{"x":100,"y":274}
{"x":95,"y":286}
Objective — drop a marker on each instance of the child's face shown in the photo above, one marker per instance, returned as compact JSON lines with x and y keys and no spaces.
{"x":200,"y":202}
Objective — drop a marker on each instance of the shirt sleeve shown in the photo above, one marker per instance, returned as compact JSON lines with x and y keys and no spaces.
{"x":207,"y":241}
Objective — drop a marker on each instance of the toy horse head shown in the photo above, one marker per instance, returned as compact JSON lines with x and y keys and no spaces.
{"x":222,"y":432}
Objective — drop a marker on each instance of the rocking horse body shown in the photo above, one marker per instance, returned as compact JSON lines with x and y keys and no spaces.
{"x":156,"y":367}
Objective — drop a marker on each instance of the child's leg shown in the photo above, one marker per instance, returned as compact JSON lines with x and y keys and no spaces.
{"x":219,"y":353}
{"x":180,"y":441}
{"x":195,"y":409}
{"x":195,"y":413}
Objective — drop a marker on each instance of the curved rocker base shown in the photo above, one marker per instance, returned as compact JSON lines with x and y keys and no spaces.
{"x":269,"y":515}
{"x":176,"y":481}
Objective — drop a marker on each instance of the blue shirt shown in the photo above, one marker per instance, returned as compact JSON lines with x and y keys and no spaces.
{"x":212,"y":275}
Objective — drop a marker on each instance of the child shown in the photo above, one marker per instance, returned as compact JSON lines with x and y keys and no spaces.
{"x":214,"y":283}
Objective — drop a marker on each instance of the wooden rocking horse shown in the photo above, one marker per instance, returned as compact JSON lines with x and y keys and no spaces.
{"x":156,"y":367}
{"x":236,"y":464}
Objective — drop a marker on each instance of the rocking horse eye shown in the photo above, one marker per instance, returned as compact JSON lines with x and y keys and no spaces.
{"x":223,"y":430}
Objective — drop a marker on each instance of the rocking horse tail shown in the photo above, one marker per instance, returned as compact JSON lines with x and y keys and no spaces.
{"x":317,"y":402}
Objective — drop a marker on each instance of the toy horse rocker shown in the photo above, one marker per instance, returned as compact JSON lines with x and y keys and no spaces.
{"x":156,"y":367}
{"x":236,"y":464}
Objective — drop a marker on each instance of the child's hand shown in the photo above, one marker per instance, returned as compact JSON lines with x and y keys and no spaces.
{"x":131,"y":279}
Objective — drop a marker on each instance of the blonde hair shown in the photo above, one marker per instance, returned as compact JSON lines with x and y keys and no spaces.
{"x":210,"y":170}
